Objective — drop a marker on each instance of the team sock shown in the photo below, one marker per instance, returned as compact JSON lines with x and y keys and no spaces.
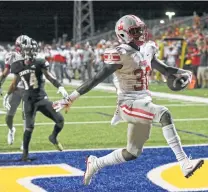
{"x":113,"y":158}
{"x":174,"y":142}
{"x":56,"y":131}
{"x":26,"y":139}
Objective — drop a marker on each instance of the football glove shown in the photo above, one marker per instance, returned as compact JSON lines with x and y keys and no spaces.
{"x":183,"y":73}
{"x":62,"y":104}
{"x":6,"y":103}
{"x":63,"y":91}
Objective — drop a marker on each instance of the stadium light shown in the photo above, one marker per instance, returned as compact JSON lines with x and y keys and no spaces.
{"x":162,"y":21}
{"x":170,"y":14}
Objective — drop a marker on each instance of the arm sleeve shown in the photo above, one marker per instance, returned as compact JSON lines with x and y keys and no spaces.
{"x":106,"y":71}
{"x":162,"y":67}
{"x":48,"y":75}
{"x":44,"y":64}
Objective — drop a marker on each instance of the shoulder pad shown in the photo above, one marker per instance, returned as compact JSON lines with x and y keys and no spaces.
{"x":8,"y":57}
{"x":12,"y":57}
{"x":151,"y":47}
{"x":112,"y":56}
{"x":123,"y":48}
{"x":42,"y":62}
{"x":152,"y":44}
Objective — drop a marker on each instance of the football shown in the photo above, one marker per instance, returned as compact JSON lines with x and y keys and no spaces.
{"x":176,"y":85}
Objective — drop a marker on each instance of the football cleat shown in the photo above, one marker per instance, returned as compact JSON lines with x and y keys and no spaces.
{"x":90,"y":169}
{"x":10,"y":136}
{"x":190,"y":166}
{"x":57,"y":144}
{"x":21,"y":147}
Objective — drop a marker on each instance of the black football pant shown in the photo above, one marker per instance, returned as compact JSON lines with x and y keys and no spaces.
{"x":30,"y":109}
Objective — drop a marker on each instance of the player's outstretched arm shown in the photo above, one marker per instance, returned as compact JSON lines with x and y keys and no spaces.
{"x":51,"y":78}
{"x":56,"y":84}
{"x":105,"y":72}
{"x":162,"y":67}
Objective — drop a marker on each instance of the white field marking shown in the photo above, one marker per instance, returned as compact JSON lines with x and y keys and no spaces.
{"x":101,"y":122}
{"x":104,"y":149}
{"x":154,"y":175}
{"x":27,"y":181}
{"x":114,"y":106}
{"x":103,"y":97}
{"x":86,"y":97}
{"x":111,"y":88}
{"x":2,"y":112}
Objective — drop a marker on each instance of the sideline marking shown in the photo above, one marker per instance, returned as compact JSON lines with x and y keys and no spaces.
{"x":103,"y":149}
{"x":114,"y":106}
{"x":111,"y":88}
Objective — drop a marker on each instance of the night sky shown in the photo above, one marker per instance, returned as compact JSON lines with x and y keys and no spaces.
{"x":36,"y":19}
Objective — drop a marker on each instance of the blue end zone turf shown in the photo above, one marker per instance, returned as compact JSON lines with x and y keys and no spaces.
{"x":125,"y":177}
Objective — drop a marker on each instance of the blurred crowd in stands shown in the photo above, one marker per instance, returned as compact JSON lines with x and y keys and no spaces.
{"x":188,"y":43}
{"x":180,"y":45}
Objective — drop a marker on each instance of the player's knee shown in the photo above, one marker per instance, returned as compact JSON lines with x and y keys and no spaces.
{"x":166,"y":118}
{"x":128,"y":155}
{"x":30,"y":129}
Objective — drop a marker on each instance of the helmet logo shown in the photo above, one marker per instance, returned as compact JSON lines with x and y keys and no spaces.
{"x":120,"y":27}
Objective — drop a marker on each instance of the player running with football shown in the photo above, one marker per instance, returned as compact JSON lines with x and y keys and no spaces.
{"x":131,"y":62}
{"x":31,"y":70}
{"x":15,"y":98}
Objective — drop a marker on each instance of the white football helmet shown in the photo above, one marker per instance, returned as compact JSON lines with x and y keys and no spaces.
{"x":131,"y":28}
{"x":20,"y":41}
{"x":26,"y":46}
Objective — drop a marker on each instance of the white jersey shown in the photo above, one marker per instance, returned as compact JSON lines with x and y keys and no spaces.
{"x":87,"y":55}
{"x":2,"y":55}
{"x":75,"y":56}
{"x":171,"y":56}
{"x":67,"y":54}
{"x":10,"y":58}
{"x":132,"y":78}
{"x":99,"y":55}
{"x":81,"y":54}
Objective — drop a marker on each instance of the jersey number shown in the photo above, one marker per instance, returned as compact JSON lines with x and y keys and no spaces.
{"x":142,"y":81}
{"x":32,"y":83}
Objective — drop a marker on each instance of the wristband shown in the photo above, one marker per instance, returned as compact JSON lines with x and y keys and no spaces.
{"x":74,"y":95}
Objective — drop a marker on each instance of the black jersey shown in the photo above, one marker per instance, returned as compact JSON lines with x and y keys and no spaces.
{"x":32,"y":77}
